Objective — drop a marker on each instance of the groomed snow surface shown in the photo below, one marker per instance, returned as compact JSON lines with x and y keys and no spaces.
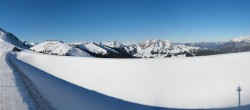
{"x":198,"y":82}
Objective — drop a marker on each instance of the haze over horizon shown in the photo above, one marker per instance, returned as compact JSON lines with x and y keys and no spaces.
{"x":126,"y":20}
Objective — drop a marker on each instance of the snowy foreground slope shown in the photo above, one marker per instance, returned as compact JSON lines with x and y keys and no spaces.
{"x":63,"y":95}
{"x":11,"y":96}
{"x":11,"y":39}
{"x":197,"y":82}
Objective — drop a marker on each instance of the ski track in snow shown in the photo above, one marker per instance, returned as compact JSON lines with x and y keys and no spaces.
{"x":10,"y":96}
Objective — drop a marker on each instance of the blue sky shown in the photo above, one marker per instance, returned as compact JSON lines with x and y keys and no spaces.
{"x":126,"y":20}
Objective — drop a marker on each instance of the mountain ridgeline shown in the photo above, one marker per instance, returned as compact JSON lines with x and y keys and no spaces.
{"x":10,"y":38}
{"x":148,"y":49}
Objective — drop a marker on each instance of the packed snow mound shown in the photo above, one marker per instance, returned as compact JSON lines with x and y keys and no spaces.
{"x":196,"y":82}
{"x":93,"y":48}
{"x":10,"y":38}
{"x":241,"y":39}
{"x":58,"y":48}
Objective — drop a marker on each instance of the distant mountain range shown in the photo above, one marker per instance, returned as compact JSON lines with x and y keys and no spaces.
{"x":154,"y":48}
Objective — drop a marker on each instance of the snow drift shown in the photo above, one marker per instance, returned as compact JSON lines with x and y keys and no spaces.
{"x":54,"y":93}
{"x":199,"y":82}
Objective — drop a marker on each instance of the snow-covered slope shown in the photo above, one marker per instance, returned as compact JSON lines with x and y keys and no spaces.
{"x":160,"y":49}
{"x":30,"y":44}
{"x":153,"y":48}
{"x":108,"y":49}
{"x":197,"y":82}
{"x":99,"y":50}
{"x":241,"y":44}
{"x":241,"y":39}
{"x":204,"y":45}
{"x":150,"y":48}
{"x":58,"y":48}
{"x":93,"y":48}
{"x":39,"y":81}
{"x":63,"y":95}
{"x":10,"y":38}
{"x":113,"y":44}
{"x":77,"y":43}
{"x":13,"y":95}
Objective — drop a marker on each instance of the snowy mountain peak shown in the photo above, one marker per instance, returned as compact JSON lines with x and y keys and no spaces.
{"x":155,"y":40}
{"x":93,"y":48}
{"x":241,"y":39}
{"x":2,"y":31}
{"x":58,"y":48}
{"x":114,"y":44}
{"x":10,"y":38}
{"x":78,"y":43}
{"x":155,"y":43}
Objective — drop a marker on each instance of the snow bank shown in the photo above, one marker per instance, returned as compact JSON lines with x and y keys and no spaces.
{"x":63,"y":95}
{"x":199,"y":82}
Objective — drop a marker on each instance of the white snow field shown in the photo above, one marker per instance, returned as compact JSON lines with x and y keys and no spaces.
{"x":63,"y":95}
{"x":93,"y":48}
{"x":197,"y":82}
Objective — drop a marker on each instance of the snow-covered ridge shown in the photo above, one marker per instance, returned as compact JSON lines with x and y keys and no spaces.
{"x":241,"y":39}
{"x":78,"y":43}
{"x":93,"y":48}
{"x":108,"y":49}
{"x":154,"y":48}
{"x":58,"y":48}
{"x":10,"y":38}
{"x":155,"y":44}
{"x":161,"y":49}
{"x":113,"y":44}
